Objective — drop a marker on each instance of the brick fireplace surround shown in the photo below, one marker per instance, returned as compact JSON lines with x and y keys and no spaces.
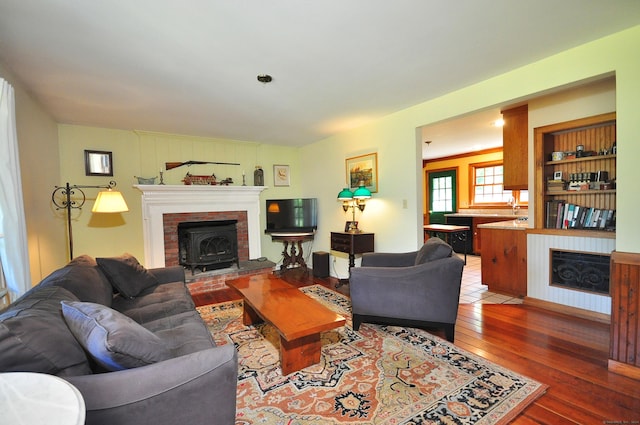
{"x":170,"y":227}
{"x":164,"y":206}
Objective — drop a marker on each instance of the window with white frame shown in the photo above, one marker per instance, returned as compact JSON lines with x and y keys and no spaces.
{"x":442,"y":194}
{"x":487,"y":186}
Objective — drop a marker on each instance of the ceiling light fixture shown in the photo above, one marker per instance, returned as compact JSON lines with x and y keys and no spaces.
{"x":265,"y":78}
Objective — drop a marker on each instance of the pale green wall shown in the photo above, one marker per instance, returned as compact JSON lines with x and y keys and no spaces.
{"x":144,"y":154}
{"x":394,"y":138}
{"x":270,"y":155}
{"x":100,"y":235}
{"x":38,"y":147}
{"x":318,"y":169}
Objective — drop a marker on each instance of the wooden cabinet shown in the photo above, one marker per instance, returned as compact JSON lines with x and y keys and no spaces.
{"x":504,"y":261}
{"x":477,"y":234}
{"x":515,"y":148}
{"x":352,"y":244}
{"x":553,"y":176}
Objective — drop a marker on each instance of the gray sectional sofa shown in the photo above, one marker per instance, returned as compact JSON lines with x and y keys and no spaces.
{"x":128,"y":338}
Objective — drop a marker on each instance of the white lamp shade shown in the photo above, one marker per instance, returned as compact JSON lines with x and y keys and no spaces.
{"x":109,"y":201}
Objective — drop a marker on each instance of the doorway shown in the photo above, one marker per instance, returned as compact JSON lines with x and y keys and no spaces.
{"x":442,"y":194}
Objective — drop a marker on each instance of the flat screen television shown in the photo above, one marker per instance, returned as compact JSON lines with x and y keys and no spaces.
{"x":298,"y":215}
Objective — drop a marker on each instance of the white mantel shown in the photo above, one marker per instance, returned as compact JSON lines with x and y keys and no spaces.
{"x":166,"y":199}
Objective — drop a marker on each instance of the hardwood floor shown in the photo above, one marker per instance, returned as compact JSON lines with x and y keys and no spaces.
{"x":566,"y":353}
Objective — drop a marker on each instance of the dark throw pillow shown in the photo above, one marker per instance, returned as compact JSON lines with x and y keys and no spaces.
{"x":115,"y":341}
{"x":433,"y":249}
{"x":127,"y":275}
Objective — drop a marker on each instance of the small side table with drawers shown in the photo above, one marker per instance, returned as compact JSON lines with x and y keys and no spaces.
{"x":352,"y":244}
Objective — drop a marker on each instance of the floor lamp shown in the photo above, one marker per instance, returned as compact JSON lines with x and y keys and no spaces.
{"x":108,"y":201}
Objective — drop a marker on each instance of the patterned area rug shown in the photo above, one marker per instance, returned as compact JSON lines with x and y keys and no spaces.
{"x":378,"y":375}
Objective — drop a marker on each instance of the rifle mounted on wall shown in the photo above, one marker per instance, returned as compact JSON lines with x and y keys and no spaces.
{"x":172,"y":165}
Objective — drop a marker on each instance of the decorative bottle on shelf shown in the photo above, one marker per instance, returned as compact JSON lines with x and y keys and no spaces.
{"x":258,"y":176}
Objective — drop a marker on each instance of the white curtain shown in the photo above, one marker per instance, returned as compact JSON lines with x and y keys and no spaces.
{"x":14,"y":255}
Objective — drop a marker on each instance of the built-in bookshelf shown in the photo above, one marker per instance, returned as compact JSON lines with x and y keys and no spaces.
{"x":575,"y":176}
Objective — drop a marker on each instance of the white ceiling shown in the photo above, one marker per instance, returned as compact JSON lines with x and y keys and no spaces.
{"x":460,"y":135}
{"x":190,"y":66}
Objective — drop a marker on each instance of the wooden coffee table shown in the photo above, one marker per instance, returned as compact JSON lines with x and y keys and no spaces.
{"x":298,"y":318}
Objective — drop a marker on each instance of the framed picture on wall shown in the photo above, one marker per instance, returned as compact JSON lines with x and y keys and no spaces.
{"x":363,"y":168}
{"x":281,"y":175}
{"x":98,"y":163}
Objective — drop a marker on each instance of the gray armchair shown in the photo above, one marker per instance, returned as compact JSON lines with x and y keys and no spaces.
{"x":417,"y":289}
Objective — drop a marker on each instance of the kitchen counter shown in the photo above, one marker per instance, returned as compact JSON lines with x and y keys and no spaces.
{"x":488,"y":215}
{"x":507,"y":225}
{"x":477,"y":217}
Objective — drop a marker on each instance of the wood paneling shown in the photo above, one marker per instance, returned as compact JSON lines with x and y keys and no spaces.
{"x":595,"y":133}
{"x":625,"y":313}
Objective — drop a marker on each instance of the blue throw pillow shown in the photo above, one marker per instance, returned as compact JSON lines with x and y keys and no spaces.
{"x":115,"y":341}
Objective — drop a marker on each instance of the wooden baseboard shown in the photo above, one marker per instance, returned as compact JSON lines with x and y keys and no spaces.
{"x":572,"y":311}
{"x":627,"y":370}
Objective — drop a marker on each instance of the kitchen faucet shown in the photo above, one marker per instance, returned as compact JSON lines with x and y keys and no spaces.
{"x":513,"y":202}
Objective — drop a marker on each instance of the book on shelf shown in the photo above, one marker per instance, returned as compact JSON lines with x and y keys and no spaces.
{"x":552,"y":213}
{"x":554,"y":190}
{"x":579,"y":221}
{"x":565,"y":215}
{"x":574,"y":218}
{"x":560,"y":215}
{"x":555,"y":186}
{"x":568,"y":215}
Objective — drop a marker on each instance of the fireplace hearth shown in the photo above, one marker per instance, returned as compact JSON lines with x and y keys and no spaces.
{"x":165,"y":206}
{"x":208,"y":245}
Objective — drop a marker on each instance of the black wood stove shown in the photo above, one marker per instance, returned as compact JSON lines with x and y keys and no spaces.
{"x":208,"y":245}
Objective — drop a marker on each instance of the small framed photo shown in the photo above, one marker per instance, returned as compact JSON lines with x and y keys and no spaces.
{"x":557,"y":175}
{"x":98,"y":163}
{"x":351,"y":226}
{"x":281,"y":175}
